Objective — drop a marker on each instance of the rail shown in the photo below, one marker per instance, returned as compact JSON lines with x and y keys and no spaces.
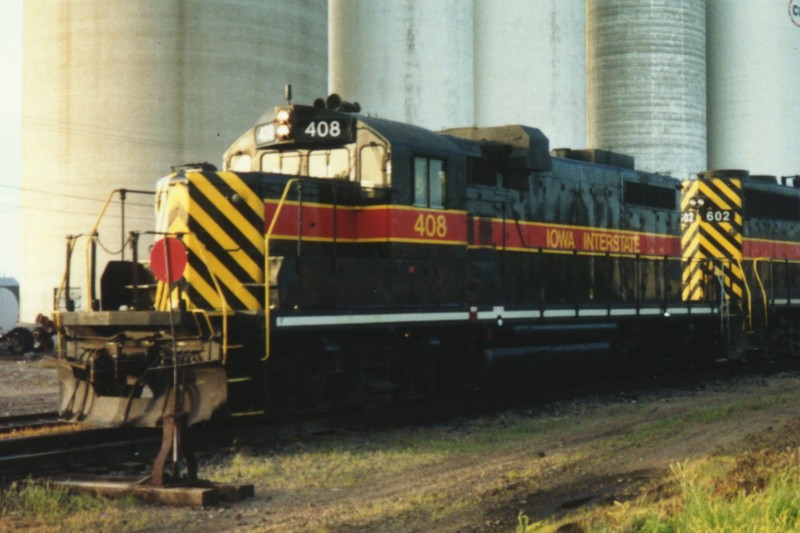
{"x":92,"y":244}
{"x":267,"y":277}
{"x":91,"y":260}
{"x":225,"y":308}
{"x":223,"y":302}
{"x":761,"y":287}
{"x":749,"y":295}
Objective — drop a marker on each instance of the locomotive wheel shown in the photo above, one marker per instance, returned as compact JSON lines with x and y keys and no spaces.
{"x":20,"y":341}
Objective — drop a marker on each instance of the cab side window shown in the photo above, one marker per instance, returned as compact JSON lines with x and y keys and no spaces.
{"x":429,"y":182}
{"x":372,"y":167}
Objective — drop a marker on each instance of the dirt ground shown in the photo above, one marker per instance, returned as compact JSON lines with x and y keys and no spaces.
{"x":27,"y":385}
{"x":603,"y":452}
{"x":590,"y":451}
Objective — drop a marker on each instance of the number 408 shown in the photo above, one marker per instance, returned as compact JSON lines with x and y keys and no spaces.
{"x":431,"y":225}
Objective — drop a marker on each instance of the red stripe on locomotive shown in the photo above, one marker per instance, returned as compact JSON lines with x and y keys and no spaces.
{"x":532,"y":236}
{"x":756,"y":248}
{"x":373,"y":224}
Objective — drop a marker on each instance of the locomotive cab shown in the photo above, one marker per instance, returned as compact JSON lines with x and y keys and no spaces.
{"x":331,"y":141}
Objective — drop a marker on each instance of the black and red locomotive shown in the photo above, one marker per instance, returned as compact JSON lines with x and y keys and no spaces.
{"x":341,"y":259}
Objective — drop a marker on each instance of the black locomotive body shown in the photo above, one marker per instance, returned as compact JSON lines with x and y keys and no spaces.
{"x":341,"y":259}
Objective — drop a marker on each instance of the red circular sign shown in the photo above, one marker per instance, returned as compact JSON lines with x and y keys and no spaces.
{"x":168,"y":251}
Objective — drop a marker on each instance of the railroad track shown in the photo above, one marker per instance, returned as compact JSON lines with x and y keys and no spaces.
{"x":16,"y":423}
{"x":110,"y":448}
{"x":52,"y":453}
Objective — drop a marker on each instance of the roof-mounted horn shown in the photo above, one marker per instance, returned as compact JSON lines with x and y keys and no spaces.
{"x":335,"y":103}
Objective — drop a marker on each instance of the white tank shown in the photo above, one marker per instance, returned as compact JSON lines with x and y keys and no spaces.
{"x":646,"y":82}
{"x":407,"y":60}
{"x":753,"y":80}
{"x":9,"y":304}
{"x":9,"y":310}
{"x":115,"y":93}
{"x":530,"y":67}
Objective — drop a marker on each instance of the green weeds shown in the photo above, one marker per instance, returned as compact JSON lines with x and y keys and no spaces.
{"x":49,"y":507}
{"x":754,"y":492}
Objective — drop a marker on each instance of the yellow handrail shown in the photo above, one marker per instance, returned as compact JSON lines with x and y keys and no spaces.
{"x":761,"y":286}
{"x":224,"y":302}
{"x":749,"y":296}
{"x":62,"y":286}
{"x":267,"y":237}
{"x":92,"y":237}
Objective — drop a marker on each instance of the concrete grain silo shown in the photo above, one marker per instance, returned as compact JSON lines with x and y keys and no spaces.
{"x":407,"y":60}
{"x":530,"y":66}
{"x":117,"y":92}
{"x":753,"y":76}
{"x":646,"y":82}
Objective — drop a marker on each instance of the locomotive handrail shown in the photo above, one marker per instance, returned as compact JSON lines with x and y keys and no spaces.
{"x":63,"y":287}
{"x":222,"y":300}
{"x":761,"y":286}
{"x":90,"y":253}
{"x":220,"y":294}
{"x":749,"y":296}
{"x":90,"y":250}
{"x":267,"y":237}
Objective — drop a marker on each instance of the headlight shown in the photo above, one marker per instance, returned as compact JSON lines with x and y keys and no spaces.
{"x":283,"y":124}
{"x":283,"y":131}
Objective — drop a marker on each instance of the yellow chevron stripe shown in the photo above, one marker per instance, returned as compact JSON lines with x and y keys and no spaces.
{"x":693,"y":292}
{"x":716,"y":253}
{"x":689,"y":242}
{"x":734,"y":195}
{"x":733,"y":231}
{"x":733,"y":278}
{"x":175,"y":216}
{"x":250,"y":198}
{"x":252,"y":268}
{"x":178,"y":210}
{"x":205,"y":290}
{"x":692,"y":251}
{"x":252,"y":234}
{"x":694,"y":279}
{"x":689,"y":191}
{"x":226,"y":278}
{"x":723,"y":243}
{"x":715,"y":198}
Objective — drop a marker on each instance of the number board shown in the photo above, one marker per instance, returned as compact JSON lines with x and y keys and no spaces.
{"x":323,"y":129}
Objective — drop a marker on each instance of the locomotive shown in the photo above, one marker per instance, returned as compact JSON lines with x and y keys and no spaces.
{"x":343,"y":260}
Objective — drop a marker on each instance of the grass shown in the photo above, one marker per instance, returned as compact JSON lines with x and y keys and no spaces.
{"x":412,"y":456}
{"x":660,"y":427}
{"x":341,"y":463}
{"x":35,"y":506}
{"x":337,"y":466}
{"x":400,"y":479}
{"x":754,"y":492}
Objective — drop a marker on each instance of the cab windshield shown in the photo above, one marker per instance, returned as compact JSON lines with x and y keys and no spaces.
{"x":369,"y":165}
{"x":331,"y":163}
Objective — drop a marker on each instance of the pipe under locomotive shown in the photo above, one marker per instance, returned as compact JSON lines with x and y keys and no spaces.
{"x":345,"y":260}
